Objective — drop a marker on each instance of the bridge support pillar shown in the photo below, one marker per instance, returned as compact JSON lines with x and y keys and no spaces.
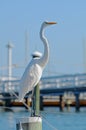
{"x":62,"y":104}
{"x":77,"y":102}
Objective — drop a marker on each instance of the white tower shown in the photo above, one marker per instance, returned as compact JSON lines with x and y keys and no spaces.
{"x":9,"y":47}
{"x":26,"y":47}
{"x":84,"y":54}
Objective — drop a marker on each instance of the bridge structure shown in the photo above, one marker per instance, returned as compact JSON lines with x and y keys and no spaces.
{"x":49,"y":86}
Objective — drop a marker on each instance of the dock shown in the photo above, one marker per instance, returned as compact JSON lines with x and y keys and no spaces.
{"x":48,"y":103}
{"x":61,"y":88}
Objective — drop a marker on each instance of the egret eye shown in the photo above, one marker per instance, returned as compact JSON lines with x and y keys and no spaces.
{"x":46,"y":22}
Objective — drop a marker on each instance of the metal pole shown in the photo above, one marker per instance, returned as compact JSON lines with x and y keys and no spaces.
{"x":9,"y":47}
{"x":36,"y":100}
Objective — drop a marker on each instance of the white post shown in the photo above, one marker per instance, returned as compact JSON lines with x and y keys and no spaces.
{"x":9,"y":47}
{"x":29,"y":123}
{"x":9,"y":53}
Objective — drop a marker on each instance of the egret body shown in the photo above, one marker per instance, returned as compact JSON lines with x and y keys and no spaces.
{"x":34,"y":70}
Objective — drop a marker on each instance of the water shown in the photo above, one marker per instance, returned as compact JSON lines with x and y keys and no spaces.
{"x":51,"y":118}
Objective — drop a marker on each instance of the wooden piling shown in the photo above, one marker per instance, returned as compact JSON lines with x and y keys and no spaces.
{"x":62,"y":104}
{"x":36,"y":101}
{"x":77,"y":102}
{"x":41,"y":103}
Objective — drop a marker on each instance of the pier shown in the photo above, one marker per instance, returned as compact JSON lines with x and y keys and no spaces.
{"x":61,"y":88}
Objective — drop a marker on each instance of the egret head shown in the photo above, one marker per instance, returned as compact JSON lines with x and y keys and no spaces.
{"x":46,"y":23}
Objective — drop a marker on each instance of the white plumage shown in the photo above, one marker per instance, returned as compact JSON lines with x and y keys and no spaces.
{"x":34,"y":70}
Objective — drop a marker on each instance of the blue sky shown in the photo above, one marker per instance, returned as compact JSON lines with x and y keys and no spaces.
{"x":65,"y":38}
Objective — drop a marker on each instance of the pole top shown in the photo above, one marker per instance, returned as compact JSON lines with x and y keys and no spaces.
{"x":9,"y":45}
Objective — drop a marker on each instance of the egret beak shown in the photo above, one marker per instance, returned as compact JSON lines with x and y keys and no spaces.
{"x":51,"y":23}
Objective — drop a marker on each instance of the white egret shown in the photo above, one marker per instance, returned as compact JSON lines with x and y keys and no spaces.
{"x":35,"y":68}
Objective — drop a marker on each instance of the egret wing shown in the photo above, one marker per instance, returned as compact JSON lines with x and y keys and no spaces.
{"x":30,"y":79}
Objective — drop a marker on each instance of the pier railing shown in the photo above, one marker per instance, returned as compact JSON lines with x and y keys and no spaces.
{"x":8,"y":85}
{"x":63,"y":81}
